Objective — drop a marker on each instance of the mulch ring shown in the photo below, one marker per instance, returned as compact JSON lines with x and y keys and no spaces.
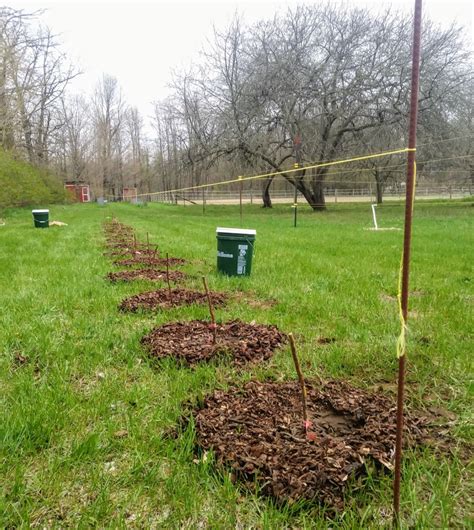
{"x":257,"y":431}
{"x":192,"y":342}
{"x":148,"y":261}
{"x":162,"y":299}
{"x":154,"y":275}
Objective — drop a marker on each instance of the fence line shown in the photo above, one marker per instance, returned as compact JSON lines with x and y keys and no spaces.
{"x":332,"y":195}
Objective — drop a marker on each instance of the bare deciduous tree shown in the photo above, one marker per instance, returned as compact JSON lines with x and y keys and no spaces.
{"x":333,"y":76}
{"x":108,"y":111}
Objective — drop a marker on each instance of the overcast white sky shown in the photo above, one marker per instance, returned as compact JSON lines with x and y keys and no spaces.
{"x":141,"y":42}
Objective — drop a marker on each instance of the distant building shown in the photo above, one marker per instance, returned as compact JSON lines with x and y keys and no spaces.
{"x":79,"y":192}
{"x":129,"y":194}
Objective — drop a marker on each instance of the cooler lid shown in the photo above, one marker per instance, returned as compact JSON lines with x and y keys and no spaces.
{"x":237,"y":231}
{"x":39,"y":211}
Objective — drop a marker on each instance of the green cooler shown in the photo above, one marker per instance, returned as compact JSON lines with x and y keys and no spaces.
{"x":41,"y":218}
{"x":235,"y":250}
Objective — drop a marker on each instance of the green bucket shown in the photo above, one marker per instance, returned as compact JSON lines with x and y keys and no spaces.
{"x":235,"y":251}
{"x":41,"y":218}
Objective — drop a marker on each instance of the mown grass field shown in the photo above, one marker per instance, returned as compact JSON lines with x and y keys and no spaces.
{"x":84,"y":413}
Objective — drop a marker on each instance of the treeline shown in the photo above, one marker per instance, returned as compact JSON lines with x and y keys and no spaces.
{"x":314,"y":84}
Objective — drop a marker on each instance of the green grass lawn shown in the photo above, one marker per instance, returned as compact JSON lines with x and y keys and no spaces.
{"x":85,"y":414}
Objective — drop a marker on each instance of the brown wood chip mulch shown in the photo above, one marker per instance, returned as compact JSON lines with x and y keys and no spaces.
{"x":258,"y":432}
{"x":192,"y":342}
{"x":148,"y":261}
{"x":161,"y":299}
{"x":154,"y":275}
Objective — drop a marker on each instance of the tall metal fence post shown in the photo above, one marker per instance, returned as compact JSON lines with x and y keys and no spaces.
{"x":295,"y":201}
{"x":405,"y":270}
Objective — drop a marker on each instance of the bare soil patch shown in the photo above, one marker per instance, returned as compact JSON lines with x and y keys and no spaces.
{"x":192,"y":342}
{"x":163,"y":299}
{"x":154,"y":275}
{"x":259,"y":434}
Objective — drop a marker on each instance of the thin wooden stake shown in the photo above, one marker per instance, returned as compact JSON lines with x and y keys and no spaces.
{"x":152,"y":262}
{"x":168,"y":274}
{"x":148,"y":241}
{"x":211,"y":311}
{"x":301,"y":380}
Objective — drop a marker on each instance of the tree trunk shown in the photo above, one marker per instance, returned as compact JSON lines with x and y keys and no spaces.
{"x":267,"y":201}
{"x":315,"y":195}
{"x":379,"y":186}
{"x":318,"y":202}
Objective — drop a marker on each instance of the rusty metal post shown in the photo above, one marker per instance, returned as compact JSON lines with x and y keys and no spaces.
{"x":411,"y":158}
{"x":295,"y":202}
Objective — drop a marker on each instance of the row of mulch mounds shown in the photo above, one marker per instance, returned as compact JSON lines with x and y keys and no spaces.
{"x":192,"y":342}
{"x":189,"y":342}
{"x":154,"y":275}
{"x":166,"y":299}
{"x":257,"y":432}
{"x":130,"y":253}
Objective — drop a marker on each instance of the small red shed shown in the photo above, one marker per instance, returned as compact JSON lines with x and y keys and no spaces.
{"x":129,"y":194}
{"x":79,"y":192}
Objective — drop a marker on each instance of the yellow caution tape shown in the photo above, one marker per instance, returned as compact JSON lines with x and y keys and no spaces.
{"x":285,"y":171}
{"x":401,"y":341}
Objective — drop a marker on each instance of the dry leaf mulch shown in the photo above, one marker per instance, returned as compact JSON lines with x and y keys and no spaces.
{"x":192,"y":342}
{"x":154,"y":275}
{"x":148,"y":261}
{"x":162,"y":299}
{"x":258,"y":432}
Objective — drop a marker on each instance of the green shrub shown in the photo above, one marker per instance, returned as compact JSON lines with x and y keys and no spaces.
{"x":24,"y":185}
